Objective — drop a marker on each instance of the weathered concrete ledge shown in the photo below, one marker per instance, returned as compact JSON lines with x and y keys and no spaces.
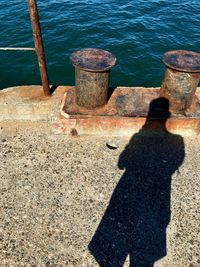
{"x":123,"y":115}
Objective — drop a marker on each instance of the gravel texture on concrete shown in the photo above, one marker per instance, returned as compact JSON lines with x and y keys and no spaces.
{"x":72,"y":201}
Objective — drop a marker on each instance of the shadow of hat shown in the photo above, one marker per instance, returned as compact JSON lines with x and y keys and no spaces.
{"x":159,"y":109}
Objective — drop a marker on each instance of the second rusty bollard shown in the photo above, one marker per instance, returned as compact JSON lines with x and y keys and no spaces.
{"x":92,"y":69}
{"x":181,"y":79}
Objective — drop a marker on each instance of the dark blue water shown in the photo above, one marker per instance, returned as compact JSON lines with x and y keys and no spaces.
{"x":137,"y":32}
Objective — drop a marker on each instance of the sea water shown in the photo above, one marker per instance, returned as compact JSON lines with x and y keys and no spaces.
{"x":137,"y":32}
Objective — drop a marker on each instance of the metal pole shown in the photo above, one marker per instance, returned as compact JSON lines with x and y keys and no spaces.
{"x":37,"y":36}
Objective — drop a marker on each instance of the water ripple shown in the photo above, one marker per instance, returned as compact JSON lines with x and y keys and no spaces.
{"x":137,"y":32}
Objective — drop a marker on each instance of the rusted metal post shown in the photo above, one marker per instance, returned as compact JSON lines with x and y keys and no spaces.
{"x":181,"y":79}
{"x":39,"y":45}
{"x":92,"y":68}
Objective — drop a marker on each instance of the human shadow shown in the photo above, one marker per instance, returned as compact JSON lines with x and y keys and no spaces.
{"x":138,"y":213}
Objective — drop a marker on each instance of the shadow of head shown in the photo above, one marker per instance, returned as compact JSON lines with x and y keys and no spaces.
{"x":157,"y":116}
{"x":159,"y":109}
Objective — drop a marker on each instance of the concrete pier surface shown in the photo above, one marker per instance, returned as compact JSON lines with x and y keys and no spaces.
{"x":94,"y":200}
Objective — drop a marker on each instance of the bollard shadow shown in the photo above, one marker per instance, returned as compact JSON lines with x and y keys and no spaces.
{"x":138,"y":213}
{"x":53,"y":89}
{"x":111,"y":91}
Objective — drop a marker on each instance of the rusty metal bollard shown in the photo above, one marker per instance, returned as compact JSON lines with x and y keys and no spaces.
{"x":181,"y":79}
{"x":92,"y":69}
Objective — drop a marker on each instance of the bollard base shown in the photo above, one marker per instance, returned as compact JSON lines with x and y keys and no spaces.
{"x":125,"y":102}
{"x":123,"y":115}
